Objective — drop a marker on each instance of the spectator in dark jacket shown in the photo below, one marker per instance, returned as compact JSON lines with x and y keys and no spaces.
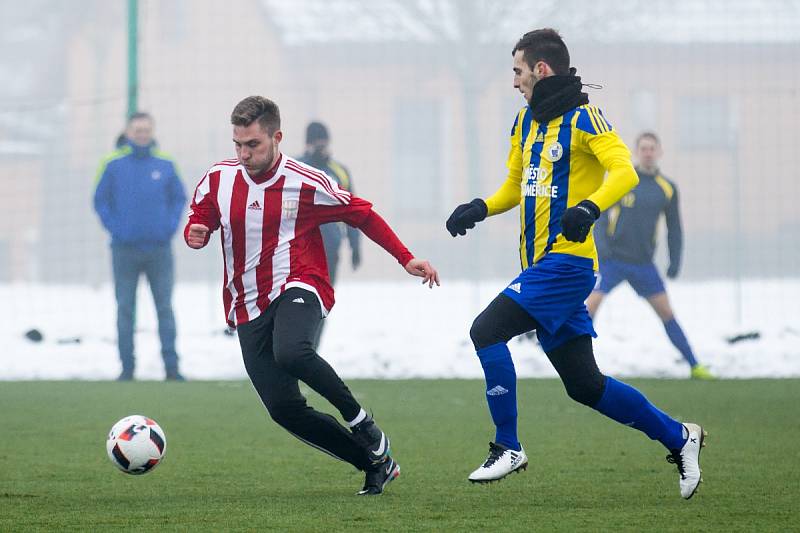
{"x":140,"y":201}
{"x":318,"y":155}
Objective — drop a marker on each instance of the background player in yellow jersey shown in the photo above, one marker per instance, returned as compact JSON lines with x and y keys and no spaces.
{"x":561,"y":147}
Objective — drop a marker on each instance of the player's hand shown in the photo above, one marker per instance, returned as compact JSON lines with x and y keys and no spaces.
{"x":672,"y":271}
{"x":576,"y":222}
{"x":355,"y":259}
{"x":465,"y":216}
{"x":423,"y":269}
{"x":196,"y":238}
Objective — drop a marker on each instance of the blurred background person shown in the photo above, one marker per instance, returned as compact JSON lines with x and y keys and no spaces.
{"x":140,"y":201}
{"x":318,"y":155}
{"x":626,"y":241}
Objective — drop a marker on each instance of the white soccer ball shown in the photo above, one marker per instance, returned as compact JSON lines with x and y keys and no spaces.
{"x":136,"y":444}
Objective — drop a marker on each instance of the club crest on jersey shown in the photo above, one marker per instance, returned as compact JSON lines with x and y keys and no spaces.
{"x":155,"y":175}
{"x":290,"y":208}
{"x":555,"y":151}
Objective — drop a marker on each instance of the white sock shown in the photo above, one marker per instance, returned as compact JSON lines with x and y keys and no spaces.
{"x":362,"y":414}
{"x":685,"y":432}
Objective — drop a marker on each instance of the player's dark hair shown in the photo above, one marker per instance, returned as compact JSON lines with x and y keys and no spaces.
{"x":257,"y":108}
{"x":647,"y":135}
{"x":544,"y":44}
{"x":139,"y":115}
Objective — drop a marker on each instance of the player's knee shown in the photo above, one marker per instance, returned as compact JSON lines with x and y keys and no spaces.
{"x":574,"y":361}
{"x":586,"y":389}
{"x":483,"y":333}
{"x":283,"y":413}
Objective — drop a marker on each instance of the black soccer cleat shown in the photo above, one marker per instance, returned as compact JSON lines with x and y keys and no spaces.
{"x":378,"y":476}
{"x":372,"y":439}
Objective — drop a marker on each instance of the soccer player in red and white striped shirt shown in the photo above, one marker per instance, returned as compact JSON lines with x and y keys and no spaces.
{"x":276,"y":289}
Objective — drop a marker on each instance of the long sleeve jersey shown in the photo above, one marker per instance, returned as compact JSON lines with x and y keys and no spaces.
{"x":332,"y":233}
{"x":270,"y":231}
{"x":552,"y":166}
{"x":627,"y":231}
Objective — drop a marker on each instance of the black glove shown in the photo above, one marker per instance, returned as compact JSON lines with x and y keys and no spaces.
{"x":355,"y":258}
{"x":576,"y":222}
{"x":465,"y":216}
{"x":672,"y":271}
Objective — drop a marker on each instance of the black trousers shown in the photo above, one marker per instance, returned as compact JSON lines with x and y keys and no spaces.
{"x":278,"y":350}
{"x":332,"y":244}
{"x":574,"y":360}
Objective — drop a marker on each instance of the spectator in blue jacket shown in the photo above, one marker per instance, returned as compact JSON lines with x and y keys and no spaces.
{"x":140,"y":201}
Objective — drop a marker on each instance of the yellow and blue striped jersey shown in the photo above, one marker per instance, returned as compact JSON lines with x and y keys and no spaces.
{"x":555,"y":165}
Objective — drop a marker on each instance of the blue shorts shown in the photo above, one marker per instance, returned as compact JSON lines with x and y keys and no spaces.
{"x":644,"y":277}
{"x":553,"y":292}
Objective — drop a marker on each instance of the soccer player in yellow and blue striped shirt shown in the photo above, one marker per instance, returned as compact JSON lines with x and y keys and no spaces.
{"x":561,"y":149}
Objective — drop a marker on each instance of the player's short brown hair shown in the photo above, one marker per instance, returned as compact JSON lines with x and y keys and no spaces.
{"x":544,"y":44}
{"x":647,"y":135}
{"x":260,"y":109}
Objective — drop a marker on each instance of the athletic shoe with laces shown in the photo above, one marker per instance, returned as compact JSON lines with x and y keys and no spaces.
{"x":687,"y":459}
{"x":501,"y":462}
{"x":378,"y":476}
{"x":702,"y":373}
{"x":372,"y":439}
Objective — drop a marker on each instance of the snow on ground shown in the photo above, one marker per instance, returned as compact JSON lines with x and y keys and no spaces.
{"x":402,"y":330}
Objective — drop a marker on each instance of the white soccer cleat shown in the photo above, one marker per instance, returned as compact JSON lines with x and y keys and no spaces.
{"x":687,"y":459}
{"x":500,"y":463}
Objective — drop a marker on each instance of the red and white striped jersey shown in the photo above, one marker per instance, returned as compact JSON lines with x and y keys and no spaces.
{"x":270,"y":231}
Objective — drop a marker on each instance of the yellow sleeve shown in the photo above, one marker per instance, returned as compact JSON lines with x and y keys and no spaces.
{"x":508,"y":195}
{"x":598,"y":137}
{"x":614,"y":156}
{"x":504,"y":198}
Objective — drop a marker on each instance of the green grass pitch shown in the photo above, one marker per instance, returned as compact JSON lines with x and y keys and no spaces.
{"x":230,"y":468}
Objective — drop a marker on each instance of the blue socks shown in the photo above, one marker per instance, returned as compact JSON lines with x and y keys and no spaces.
{"x":628,"y":406}
{"x":620,"y":402}
{"x":675,"y":334}
{"x":501,"y":392}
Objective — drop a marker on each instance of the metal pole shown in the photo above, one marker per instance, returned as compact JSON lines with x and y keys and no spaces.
{"x":739,"y":251}
{"x":133,"y":56}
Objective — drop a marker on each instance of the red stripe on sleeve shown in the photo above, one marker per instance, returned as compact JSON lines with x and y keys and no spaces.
{"x":206,"y":211}
{"x":227,"y":297}
{"x":379,"y":231}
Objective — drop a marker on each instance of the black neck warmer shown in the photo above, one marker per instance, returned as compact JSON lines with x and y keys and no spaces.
{"x":555,"y":95}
